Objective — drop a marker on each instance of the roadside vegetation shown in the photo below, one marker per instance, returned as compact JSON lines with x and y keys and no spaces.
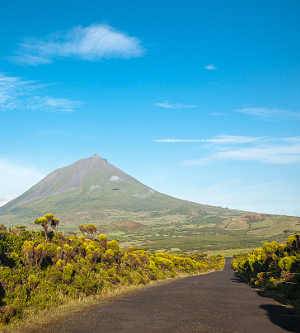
{"x":275,"y":268}
{"x":46,"y":268}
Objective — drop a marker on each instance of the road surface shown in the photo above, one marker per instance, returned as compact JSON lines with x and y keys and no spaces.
{"x":215,"y":302}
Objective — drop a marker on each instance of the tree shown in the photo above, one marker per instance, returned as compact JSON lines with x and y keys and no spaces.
{"x":2,"y":227}
{"x":44,"y":223}
{"x":82,"y":229}
{"x":48,"y":221}
{"x":90,"y":229}
{"x":54,"y":224}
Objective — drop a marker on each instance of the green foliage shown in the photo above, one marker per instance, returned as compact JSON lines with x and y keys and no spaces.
{"x":90,"y":229}
{"x":33,"y":281}
{"x":39,"y":273}
{"x":21,"y":227}
{"x":47,"y":221}
{"x":102,"y":237}
{"x":275,"y":266}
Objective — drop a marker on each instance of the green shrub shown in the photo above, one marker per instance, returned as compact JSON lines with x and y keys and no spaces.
{"x":38,"y":271}
{"x":275,"y":266}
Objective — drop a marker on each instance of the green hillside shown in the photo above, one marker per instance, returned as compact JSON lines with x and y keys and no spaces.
{"x":92,"y":190}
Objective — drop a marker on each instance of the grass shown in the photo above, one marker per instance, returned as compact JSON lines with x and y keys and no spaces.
{"x":190,"y":238}
{"x":183,"y":233}
{"x":230,"y":252}
{"x":184,"y":228}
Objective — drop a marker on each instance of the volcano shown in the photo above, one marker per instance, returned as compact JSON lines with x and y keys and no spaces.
{"x":88,"y":188}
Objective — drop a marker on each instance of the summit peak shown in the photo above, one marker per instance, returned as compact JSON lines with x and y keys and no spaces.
{"x":97,"y":157}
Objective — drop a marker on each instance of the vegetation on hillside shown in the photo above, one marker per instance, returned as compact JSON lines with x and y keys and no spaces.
{"x":274,"y":267}
{"x":94,"y":191}
{"x":40,"y":269}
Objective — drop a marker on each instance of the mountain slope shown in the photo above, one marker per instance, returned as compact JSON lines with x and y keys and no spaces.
{"x":90,"y":186}
{"x":92,"y":190}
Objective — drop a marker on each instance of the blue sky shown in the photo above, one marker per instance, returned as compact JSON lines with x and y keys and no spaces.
{"x":197,"y":99}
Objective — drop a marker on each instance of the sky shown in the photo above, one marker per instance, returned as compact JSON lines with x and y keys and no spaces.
{"x":198,"y":99}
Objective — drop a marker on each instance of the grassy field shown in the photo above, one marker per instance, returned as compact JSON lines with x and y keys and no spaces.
{"x":182,"y":229}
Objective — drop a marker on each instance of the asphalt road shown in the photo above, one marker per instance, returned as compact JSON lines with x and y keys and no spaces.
{"x":215,"y":302}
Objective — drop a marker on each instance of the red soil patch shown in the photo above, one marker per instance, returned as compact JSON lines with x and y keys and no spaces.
{"x":130,"y":226}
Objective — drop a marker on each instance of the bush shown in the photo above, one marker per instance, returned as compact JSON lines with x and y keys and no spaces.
{"x":38,"y":271}
{"x":275,"y":266}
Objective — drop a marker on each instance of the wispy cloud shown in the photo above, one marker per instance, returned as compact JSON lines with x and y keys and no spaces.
{"x":52,"y":132}
{"x":217,"y":114}
{"x":231,"y":139}
{"x":17,"y":93}
{"x":281,"y":152}
{"x":262,"y":185}
{"x":223,"y":184}
{"x":220,"y":139}
{"x":167,"y":105}
{"x":176,"y":140}
{"x":293,"y":139}
{"x":210,"y":67}
{"x":5,"y":199}
{"x":92,"y":43}
{"x":270,"y":113}
{"x":54,"y":104}
{"x":12,"y":89}
{"x":277,"y":154}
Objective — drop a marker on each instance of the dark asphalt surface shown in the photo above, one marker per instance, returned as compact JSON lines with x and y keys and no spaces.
{"x":215,"y":302}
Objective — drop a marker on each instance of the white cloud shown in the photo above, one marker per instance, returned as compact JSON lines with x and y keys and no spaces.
{"x":91,"y":43}
{"x":15,"y":179}
{"x":16,"y":93}
{"x":270,"y":113}
{"x":176,"y":140}
{"x":270,"y":154}
{"x":293,"y":139}
{"x":167,"y":105}
{"x":57,"y":104}
{"x":210,"y":67}
{"x":12,"y":89}
{"x":223,"y":184}
{"x":217,"y":114}
{"x":4,"y":200}
{"x":262,"y":185}
{"x":220,"y":139}
{"x":51,"y":132}
{"x":231,"y":139}
{"x":282,"y":154}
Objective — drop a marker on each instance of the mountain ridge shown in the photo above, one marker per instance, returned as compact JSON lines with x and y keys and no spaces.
{"x":66,"y":178}
{"x":90,"y":185}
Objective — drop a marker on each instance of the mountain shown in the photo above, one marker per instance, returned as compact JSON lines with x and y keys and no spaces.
{"x":92,"y":190}
{"x":86,"y":190}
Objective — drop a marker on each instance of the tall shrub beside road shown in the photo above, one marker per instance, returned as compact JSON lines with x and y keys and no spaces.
{"x":38,"y":272}
{"x":275,"y":266}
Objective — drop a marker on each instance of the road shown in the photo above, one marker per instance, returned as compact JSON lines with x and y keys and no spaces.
{"x":215,"y":302}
